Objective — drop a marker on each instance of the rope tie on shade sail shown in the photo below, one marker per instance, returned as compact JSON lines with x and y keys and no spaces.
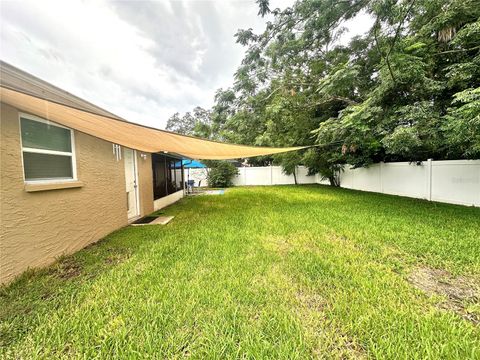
{"x":131,"y":135}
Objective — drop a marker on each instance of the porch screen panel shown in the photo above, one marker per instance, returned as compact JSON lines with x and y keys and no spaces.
{"x":159,"y":176}
{"x":166,"y":177}
{"x":172,"y":175}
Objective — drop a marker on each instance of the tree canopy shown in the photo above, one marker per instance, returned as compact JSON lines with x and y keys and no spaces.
{"x":408,"y":89}
{"x":196,"y":123}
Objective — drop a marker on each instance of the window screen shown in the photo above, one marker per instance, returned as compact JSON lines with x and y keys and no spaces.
{"x":47,"y":151}
{"x":38,"y":135}
{"x":46,"y":166}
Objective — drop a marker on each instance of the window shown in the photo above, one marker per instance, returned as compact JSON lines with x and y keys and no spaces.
{"x":47,"y":149}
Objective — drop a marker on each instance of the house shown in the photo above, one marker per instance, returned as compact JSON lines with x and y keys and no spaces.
{"x":62,"y":189}
{"x":72,"y":172}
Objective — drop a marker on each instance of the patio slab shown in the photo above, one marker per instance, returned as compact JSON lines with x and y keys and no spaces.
{"x":162,"y":220}
{"x":214,"y":192}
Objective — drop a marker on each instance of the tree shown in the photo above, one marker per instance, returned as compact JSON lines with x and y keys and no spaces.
{"x":221,"y":173}
{"x":391,"y":94}
{"x":462,"y":125}
{"x":289,"y":162}
{"x":406,"y":90}
{"x":197,"y":123}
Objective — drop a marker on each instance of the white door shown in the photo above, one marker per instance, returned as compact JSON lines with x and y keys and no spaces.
{"x":131,"y":182}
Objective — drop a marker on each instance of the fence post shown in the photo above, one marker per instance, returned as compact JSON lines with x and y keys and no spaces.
{"x":271,"y":174}
{"x":381,"y":177}
{"x":429,"y":179}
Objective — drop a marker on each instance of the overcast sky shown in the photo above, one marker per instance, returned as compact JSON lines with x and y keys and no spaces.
{"x":141,"y":60}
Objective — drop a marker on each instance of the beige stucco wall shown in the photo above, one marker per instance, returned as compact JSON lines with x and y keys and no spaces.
{"x":37,"y":227}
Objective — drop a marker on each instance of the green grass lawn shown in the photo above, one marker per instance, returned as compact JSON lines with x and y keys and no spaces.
{"x":263,"y":272}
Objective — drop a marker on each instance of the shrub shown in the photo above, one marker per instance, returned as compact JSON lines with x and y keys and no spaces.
{"x":221,"y":174}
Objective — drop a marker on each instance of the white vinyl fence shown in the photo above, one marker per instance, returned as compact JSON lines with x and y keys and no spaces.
{"x":271,"y":175}
{"x":264,"y":175}
{"x":449,"y":181}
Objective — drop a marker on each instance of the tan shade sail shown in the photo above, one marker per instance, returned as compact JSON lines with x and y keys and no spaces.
{"x":132,"y":135}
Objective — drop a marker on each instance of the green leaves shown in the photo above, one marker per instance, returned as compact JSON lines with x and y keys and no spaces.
{"x":405,"y":90}
{"x":463,"y":124}
{"x":244,"y":37}
{"x":463,"y":74}
{"x":404,"y":140}
{"x":415,"y":47}
{"x":468,"y":35}
{"x":197,"y":123}
{"x":221,"y":173}
{"x":263,"y":7}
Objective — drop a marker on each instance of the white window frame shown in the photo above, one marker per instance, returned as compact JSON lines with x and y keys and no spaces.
{"x":71,"y":154}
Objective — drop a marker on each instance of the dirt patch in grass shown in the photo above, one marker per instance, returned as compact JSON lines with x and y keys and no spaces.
{"x":311,"y":310}
{"x":458,"y":291}
{"x":344,"y":348}
{"x":117,"y":258}
{"x":309,"y":306}
{"x":285,"y":244}
{"x":70,"y":267}
{"x":278,"y":244}
{"x":313,"y":302}
{"x":67,"y":268}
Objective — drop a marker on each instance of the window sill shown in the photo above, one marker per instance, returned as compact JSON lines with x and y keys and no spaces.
{"x":53,"y":186}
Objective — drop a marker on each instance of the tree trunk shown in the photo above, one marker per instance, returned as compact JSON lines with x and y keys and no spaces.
{"x":334,"y":180}
{"x":295,"y":176}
